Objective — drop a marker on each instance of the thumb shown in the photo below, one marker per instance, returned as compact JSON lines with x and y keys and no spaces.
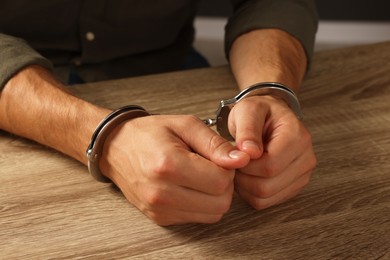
{"x":247,"y":129}
{"x":204,"y":141}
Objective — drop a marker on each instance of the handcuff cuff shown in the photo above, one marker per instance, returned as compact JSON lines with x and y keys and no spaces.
{"x":259,"y":89}
{"x":95,"y":148}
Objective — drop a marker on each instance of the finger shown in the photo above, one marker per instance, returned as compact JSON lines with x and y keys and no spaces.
{"x":287,"y":143}
{"x":165,"y":206}
{"x":209,"y":144}
{"x":282,"y":196}
{"x":177,"y":164}
{"x":171,"y":197}
{"x":193,"y":171}
{"x":246,"y":122}
{"x":267,"y":187}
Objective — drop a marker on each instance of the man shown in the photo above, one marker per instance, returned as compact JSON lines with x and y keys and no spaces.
{"x":173,"y":168}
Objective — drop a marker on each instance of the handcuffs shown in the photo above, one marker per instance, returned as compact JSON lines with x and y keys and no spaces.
{"x":95,"y":149}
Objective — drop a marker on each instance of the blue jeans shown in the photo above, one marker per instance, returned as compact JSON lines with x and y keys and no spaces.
{"x":195,"y":60}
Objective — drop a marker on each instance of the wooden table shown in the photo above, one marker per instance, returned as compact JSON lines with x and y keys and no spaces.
{"x":51,"y":208}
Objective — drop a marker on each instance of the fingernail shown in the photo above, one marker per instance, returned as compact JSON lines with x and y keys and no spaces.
{"x":235,"y":154}
{"x":250,"y":145}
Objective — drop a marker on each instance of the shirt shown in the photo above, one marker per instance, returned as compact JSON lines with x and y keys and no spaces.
{"x":121,"y":38}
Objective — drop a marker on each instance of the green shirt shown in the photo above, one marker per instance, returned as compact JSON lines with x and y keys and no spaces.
{"x":121,"y":38}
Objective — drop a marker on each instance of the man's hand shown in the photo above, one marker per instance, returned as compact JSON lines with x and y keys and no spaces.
{"x":173,"y":168}
{"x":282,"y":157}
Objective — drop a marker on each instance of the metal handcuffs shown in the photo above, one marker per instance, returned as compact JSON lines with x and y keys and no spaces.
{"x":95,"y":149}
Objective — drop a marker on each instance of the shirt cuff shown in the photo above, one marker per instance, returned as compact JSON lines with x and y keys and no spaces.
{"x":298,"y":18}
{"x":16,"y":54}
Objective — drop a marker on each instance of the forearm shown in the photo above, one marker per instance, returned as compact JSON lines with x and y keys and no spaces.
{"x":279,"y":145}
{"x":268,"y":55}
{"x":35,"y":106}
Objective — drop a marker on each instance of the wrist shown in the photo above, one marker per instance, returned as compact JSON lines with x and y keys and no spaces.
{"x":103,"y":130}
{"x":268,"y":89}
{"x":268,"y":55}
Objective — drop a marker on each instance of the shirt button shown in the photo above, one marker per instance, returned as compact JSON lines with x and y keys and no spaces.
{"x":77,"y":61}
{"x":90,"y":36}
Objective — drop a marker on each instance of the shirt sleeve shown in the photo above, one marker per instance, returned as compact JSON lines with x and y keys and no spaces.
{"x":16,"y":54}
{"x":296,"y":17}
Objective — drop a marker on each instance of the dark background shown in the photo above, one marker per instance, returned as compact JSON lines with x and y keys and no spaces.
{"x":357,"y":10}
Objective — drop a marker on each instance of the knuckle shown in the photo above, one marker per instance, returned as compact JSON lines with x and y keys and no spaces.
{"x":306,"y":180}
{"x":307,"y":138}
{"x":313,"y":162}
{"x":155,"y":198}
{"x":271,"y":169}
{"x":303,"y":134}
{"x":222,"y":185}
{"x":163,"y":167}
{"x":189,"y":120}
{"x":215,"y":143}
{"x":262,"y":190}
{"x":260,"y":204}
{"x":225,"y":206}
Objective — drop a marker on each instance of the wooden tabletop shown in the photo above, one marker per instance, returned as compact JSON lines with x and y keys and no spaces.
{"x":51,"y":208}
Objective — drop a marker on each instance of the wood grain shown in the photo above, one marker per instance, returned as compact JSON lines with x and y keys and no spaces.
{"x":51,"y":208}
